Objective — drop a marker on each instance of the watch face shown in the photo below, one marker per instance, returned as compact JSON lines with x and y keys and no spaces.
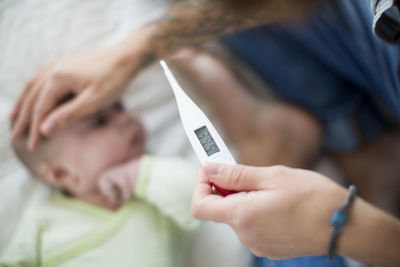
{"x":207,"y":141}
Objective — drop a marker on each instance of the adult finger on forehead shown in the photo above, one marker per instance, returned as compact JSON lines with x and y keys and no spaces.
{"x":47,"y":100}
{"x":21,"y":98}
{"x":208,"y":206}
{"x":22,"y":121}
{"x":51,"y":97}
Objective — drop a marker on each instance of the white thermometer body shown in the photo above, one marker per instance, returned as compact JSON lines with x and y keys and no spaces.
{"x":204,"y":138}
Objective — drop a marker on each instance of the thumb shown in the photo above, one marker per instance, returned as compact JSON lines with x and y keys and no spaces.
{"x":236,"y":177}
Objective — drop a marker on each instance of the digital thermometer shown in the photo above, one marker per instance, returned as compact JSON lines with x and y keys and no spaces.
{"x":204,"y":138}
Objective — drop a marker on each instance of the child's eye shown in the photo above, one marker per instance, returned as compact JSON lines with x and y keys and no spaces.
{"x":101,"y":121}
{"x":118,"y":107}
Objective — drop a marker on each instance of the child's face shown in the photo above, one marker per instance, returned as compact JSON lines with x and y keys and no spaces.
{"x":92,"y":145}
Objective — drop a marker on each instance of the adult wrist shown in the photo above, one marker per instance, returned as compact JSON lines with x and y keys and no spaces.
{"x":360,"y":218}
{"x":134,"y":52}
{"x":371,"y":235}
{"x":333,"y":200}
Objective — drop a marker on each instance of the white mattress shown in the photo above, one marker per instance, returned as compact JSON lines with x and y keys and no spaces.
{"x":36,"y":32}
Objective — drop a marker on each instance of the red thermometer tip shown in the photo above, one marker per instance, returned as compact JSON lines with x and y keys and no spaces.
{"x":223,"y":192}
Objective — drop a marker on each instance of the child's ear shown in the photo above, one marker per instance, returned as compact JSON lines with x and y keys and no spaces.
{"x":55,"y":174}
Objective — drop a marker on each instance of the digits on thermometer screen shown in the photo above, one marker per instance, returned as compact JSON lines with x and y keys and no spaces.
{"x":210,"y":147}
{"x":207,"y":141}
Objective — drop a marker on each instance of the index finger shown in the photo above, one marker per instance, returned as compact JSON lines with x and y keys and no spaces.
{"x":23,"y":95}
{"x":18,"y":104}
{"x":48,"y":99}
{"x":208,"y":206}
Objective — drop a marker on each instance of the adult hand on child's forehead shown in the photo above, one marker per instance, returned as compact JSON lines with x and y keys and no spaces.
{"x":93,"y":81}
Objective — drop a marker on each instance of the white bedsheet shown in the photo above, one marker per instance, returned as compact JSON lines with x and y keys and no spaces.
{"x":36,"y":32}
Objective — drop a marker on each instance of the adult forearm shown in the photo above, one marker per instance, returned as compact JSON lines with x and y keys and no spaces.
{"x":192,"y":22}
{"x":371,"y":236}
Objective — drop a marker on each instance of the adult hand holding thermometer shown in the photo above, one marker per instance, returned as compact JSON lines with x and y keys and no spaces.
{"x":204,"y":138}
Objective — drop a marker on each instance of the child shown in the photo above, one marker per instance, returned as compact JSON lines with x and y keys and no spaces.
{"x":99,"y":163}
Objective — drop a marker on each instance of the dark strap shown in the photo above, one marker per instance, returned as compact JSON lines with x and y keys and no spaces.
{"x":338,"y":221}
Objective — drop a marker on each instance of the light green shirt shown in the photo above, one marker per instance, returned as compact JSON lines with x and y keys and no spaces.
{"x":149,"y":230}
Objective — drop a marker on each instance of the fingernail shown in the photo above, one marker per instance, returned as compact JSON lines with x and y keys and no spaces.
{"x":48,"y":126}
{"x":212,"y":169}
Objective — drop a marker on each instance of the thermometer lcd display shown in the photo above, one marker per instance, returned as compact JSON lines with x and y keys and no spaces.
{"x":207,"y":141}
